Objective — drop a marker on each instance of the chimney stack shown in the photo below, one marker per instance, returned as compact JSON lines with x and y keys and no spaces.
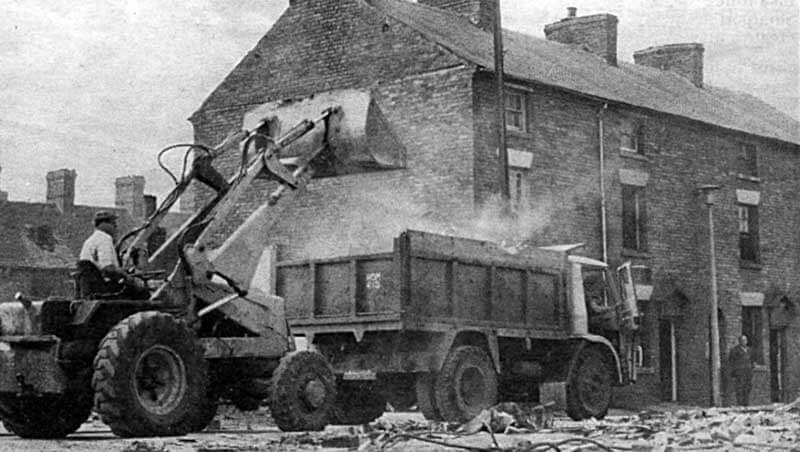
{"x":479,"y":12}
{"x":684,"y":59}
{"x":150,"y":205}
{"x":61,"y":189}
{"x":597,"y":33}
{"x":130,"y":195}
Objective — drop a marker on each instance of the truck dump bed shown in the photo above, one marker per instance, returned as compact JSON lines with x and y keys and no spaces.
{"x":428,"y":282}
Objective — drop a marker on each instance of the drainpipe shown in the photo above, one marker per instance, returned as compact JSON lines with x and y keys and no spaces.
{"x":601,"y":139}
{"x":501,"y":109}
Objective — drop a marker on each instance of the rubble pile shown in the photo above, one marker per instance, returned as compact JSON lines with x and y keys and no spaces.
{"x":771,"y":427}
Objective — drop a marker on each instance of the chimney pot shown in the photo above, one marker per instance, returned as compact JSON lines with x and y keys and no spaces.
{"x":597,"y":33}
{"x":572,"y":11}
{"x":684,"y":59}
{"x":61,"y":189}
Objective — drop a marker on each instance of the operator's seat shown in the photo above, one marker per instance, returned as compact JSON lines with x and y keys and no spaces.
{"x":90,"y":283}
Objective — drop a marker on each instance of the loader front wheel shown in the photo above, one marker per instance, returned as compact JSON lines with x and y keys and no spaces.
{"x":150,"y":377}
{"x":303,"y":392}
{"x":466,"y":385}
{"x":46,"y":417}
{"x":589,"y":384}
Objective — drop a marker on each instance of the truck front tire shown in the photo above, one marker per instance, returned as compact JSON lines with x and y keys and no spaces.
{"x":303,"y":392}
{"x":466,"y":385}
{"x":589,"y":384}
{"x":150,"y":377}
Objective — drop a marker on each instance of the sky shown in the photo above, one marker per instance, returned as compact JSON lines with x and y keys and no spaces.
{"x":100,"y":86}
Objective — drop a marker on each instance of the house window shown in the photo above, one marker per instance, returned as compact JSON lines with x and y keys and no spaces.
{"x":748,"y":158}
{"x":634,"y":218}
{"x":518,"y":187}
{"x":748,"y":233}
{"x":516,"y":113}
{"x":751,"y":327}
{"x":632,"y":138}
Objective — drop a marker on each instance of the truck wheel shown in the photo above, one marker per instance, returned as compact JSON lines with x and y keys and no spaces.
{"x":589,"y":384}
{"x":466,"y":385}
{"x":150,"y":377}
{"x":358,"y":403}
{"x":45,"y":417}
{"x":303,"y":392}
{"x":425,"y":400}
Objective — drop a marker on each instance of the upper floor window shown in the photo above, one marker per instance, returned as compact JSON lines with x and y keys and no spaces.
{"x":632,"y":137}
{"x":748,"y":233}
{"x":634,"y":218}
{"x":748,"y":159}
{"x":516,"y":110}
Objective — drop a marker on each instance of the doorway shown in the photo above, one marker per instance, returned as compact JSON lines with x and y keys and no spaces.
{"x":777,"y":363}
{"x":668,"y":360}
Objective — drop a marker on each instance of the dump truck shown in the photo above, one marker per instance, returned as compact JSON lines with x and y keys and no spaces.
{"x":153,"y":350}
{"x":453,"y":325}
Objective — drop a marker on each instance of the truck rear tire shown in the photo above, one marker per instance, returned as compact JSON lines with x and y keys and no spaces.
{"x":358,"y":403}
{"x":47,"y":417}
{"x":426,"y":402}
{"x":150,"y":377}
{"x":589,"y":384}
{"x":303,"y":392}
{"x":466,"y":385}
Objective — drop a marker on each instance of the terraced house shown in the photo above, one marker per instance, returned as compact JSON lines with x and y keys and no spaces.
{"x":601,"y":151}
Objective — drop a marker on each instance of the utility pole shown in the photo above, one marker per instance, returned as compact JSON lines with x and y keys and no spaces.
{"x":501,"y":108}
{"x":716,"y":398}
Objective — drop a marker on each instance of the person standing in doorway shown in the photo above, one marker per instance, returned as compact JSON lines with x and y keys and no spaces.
{"x":740,"y":361}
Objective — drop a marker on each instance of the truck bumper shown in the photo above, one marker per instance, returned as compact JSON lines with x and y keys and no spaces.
{"x":29,"y":365}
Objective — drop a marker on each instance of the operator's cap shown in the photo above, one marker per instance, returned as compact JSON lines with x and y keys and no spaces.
{"x":104,"y":215}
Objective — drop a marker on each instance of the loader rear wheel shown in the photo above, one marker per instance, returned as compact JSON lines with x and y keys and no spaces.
{"x":358,"y":403}
{"x":303,"y":392}
{"x":589,"y":384}
{"x":466,"y":385}
{"x":425,"y":400}
{"x":150,"y":377}
{"x":45,"y":417}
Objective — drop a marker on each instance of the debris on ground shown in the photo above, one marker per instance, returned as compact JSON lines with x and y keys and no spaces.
{"x":770,"y":427}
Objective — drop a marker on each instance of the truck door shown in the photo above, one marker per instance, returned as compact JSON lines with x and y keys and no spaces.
{"x":628,"y":315}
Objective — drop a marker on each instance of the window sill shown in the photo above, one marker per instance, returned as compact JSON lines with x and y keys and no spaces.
{"x":518,"y":133}
{"x":633,"y":154}
{"x":626,"y":252}
{"x":755,"y":179}
{"x":750,"y":265}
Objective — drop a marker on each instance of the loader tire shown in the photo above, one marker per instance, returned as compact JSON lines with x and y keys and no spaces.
{"x":46,"y":417}
{"x":150,"y":377}
{"x":303,"y":392}
{"x":425,"y":400}
{"x":358,"y":403}
{"x":466,"y":385}
{"x":589,"y":384}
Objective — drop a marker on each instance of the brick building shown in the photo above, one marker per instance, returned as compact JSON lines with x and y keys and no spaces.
{"x":601,"y":151}
{"x":40,"y":241}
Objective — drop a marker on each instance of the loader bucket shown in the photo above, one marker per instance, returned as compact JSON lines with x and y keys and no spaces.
{"x":359,"y":138}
